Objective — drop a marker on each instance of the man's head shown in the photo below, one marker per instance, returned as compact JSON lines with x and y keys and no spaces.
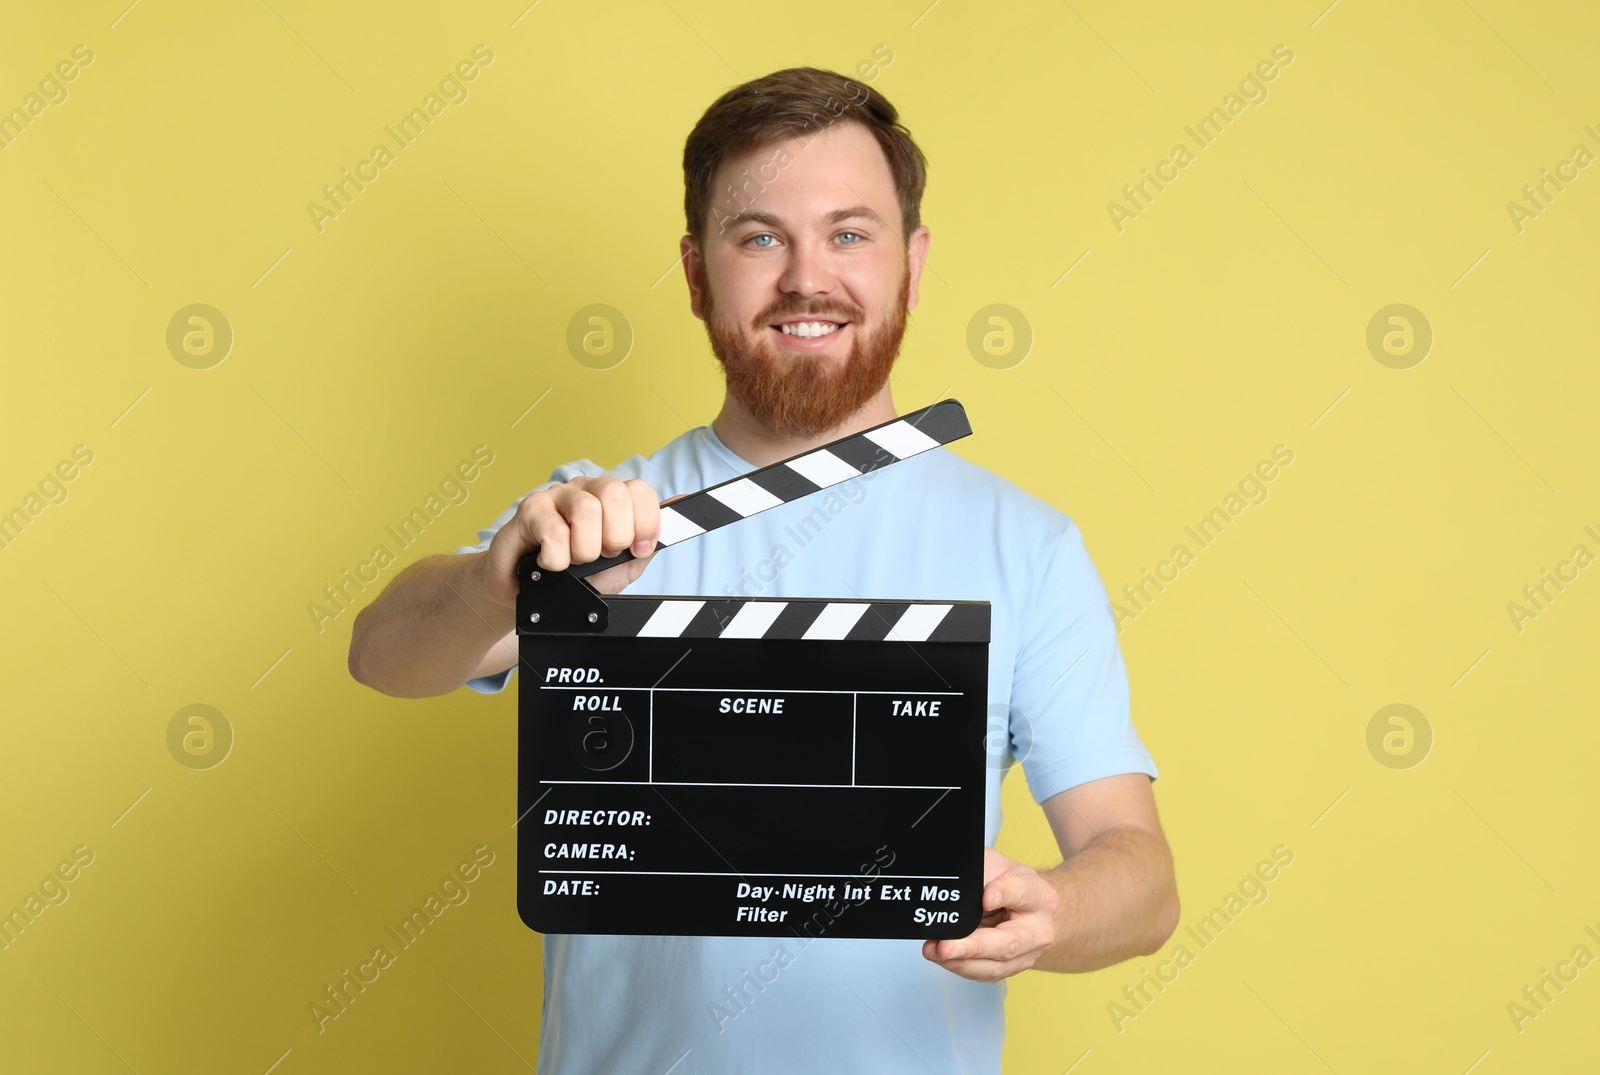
{"x":802,"y":197}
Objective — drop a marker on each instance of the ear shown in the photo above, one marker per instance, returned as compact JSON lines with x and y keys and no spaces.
{"x":916,"y":257}
{"x":694,"y":271}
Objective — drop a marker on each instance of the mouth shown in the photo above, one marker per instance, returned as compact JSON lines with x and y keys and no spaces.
{"x":808,"y":334}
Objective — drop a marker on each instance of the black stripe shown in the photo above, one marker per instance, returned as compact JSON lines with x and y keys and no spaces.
{"x":944,"y":421}
{"x":705,"y":511}
{"x":712,"y":619}
{"x":795,"y":618}
{"x":864,"y":455}
{"x":784,"y":482}
{"x":967,"y":621}
{"x":627,"y":615}
{"x":875,"y":622}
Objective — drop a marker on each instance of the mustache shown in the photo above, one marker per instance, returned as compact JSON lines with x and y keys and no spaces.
{"x":843,"y":313}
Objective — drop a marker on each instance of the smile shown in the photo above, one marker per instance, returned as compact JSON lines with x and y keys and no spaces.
{"x":810,"y":329}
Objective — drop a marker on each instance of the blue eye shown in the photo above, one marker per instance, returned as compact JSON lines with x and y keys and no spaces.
{"x":763,"y":235}
{"x":857,"y":234}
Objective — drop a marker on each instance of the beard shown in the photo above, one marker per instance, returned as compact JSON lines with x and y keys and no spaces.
{"x":803,"y":394}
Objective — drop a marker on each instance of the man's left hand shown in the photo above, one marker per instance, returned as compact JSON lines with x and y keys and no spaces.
{"x":1018,"y":925}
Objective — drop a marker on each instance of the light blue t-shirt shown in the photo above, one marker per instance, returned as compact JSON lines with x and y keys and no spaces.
{"x":931,"y":527}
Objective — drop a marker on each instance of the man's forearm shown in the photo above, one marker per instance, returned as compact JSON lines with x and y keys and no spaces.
{"x":1118,"y":899}
{"x":428,"y":630}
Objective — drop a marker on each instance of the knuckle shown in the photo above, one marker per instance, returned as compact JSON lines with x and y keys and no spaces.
{"x":612,"y":493}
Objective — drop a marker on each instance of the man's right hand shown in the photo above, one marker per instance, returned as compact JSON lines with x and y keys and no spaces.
{"x":576,"y":522}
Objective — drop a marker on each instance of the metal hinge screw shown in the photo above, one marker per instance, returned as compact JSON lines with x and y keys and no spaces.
{"x":594,"y":617}
{"x":533,"y":617}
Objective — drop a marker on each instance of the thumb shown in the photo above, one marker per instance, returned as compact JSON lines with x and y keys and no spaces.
{"x":656,"y":545}
{"x":653,"y":545}
{"x":631,"y":570}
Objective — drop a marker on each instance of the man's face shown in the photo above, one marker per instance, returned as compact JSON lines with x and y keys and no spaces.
{"x":821,"y":244}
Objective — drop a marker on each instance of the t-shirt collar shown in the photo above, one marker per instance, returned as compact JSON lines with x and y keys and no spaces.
{"x":723,"y":452}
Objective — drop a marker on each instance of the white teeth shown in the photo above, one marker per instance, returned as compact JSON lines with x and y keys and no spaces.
{"x":809,"y":329}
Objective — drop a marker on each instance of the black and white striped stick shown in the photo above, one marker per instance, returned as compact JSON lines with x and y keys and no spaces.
{"x":555,"y":602}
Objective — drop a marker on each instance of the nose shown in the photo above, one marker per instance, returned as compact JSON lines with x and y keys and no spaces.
{"x":807,"y":274}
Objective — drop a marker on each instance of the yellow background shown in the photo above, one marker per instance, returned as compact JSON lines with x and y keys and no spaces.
{"x":1230,"y":317}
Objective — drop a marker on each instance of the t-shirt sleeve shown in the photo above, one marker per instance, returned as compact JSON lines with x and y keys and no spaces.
{"x":1070,"y":719}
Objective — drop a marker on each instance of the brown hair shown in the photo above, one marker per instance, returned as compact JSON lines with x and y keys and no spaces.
{"x":788,"y":104}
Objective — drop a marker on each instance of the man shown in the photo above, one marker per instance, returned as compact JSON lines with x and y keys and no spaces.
{"x":805,"y":251}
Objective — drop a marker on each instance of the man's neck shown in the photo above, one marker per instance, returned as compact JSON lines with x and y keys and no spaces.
{"x":758,"y":444}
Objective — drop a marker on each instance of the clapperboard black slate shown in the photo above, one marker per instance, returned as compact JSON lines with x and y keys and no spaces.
{"x":767,"y":767}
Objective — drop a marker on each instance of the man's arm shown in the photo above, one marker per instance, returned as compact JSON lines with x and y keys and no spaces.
{"x":1113,"y":896}
{"x":431,"y":629}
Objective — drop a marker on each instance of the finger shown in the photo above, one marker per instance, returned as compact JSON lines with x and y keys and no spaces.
{"x":1019,"y":892}
{"x":988,"y":970}
{"x":547,"y":531}
{"x":1005,"y":941}
{"x":616,"y":514}
{"x":646,"y":516}
{"x":581,"y":510}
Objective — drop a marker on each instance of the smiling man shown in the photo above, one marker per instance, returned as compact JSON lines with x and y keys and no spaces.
{"x":804,"y":276}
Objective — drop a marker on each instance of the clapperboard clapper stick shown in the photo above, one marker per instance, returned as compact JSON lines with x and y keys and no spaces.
{"x":766,"y":767}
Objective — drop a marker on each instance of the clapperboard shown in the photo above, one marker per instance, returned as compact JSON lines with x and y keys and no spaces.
{"x":709,"y":766}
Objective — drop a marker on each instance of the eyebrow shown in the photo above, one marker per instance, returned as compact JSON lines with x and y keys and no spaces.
{"x":837,"y":216}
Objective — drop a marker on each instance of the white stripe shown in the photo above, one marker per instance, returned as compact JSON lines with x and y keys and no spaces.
{"x":823,"y":468}
{"x":916,"y":623}
{"x":745,"y":497}
{"x":902,"y":438}
{"x":753,"y":619}
{"x":669,"y":619}
{"x":676,"y":527}
{"x":836,"y":620}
